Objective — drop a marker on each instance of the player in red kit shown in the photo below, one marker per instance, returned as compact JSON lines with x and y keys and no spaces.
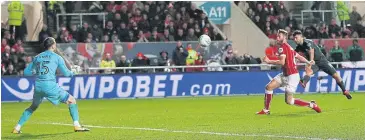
{"x":289,"y":78}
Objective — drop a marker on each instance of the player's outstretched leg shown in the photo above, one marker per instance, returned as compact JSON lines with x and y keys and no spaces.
{"x":268,"y":96}
{"x":74,"y":112}
{"x":37,"y":100}
{"x":289,"y":99}
{"x":307,"y":76}
{"x":341,"y":85}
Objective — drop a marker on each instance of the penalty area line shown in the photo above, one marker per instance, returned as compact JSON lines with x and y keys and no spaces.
{"x":191,"y":132}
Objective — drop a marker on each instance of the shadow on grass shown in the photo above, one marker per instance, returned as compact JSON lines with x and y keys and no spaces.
{"x":30,"y":136}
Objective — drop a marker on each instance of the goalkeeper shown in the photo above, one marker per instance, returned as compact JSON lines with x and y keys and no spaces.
{"x":44,"y":68}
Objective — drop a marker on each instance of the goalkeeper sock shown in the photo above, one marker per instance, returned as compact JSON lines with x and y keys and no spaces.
{"x":74,"y":112}
{"x":25,"y":116}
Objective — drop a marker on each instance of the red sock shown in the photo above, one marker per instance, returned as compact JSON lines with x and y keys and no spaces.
{"x":299,"y":102}
{"x":267,"y":102}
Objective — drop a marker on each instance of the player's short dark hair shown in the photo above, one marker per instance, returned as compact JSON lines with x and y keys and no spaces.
{"x":48,"y":42}
{"x":297,"y":32}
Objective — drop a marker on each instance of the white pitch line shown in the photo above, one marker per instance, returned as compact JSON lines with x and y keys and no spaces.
{"x":192,"y":132}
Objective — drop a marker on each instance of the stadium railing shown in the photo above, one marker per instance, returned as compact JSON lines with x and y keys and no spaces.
{"x":322,"y":13}
{"x":81,"y":14}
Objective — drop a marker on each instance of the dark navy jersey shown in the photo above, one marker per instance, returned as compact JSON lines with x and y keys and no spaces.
{"x":305,"y":49}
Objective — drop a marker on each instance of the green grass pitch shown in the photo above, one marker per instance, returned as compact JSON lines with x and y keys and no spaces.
{"x":231,"y":117}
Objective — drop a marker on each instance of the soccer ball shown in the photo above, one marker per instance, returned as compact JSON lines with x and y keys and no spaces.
{"x":204,"y":40}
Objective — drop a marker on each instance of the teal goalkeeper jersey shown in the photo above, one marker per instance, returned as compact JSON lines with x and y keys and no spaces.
{"x":45,"y":65}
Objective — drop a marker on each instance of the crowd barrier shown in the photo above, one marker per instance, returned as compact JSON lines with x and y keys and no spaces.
{"x":176,"y":84}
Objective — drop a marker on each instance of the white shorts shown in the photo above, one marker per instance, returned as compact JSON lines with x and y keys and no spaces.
{"x":290,"y":83}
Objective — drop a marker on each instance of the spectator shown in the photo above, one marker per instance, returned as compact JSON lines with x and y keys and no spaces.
{"x":185,"y":28}
{"x":281,"y":8}
{"x":191,"y":36}
{"x":142,"y":37}
{"x":18,"y":45}
{"x":336,"y":53}
{"x":123,"y":63}
{"x":200,"y":61}
{"x":112,"y":6}
{"x":131,"y":37}
{"x":67,"y":38}
{"x":140,"y":61}
{"x":74,"y":32}
{"x":275,"y":25}
{"x":230,"y":59}
{"x":251,"y":14}
{"x":216,"y":36}
{"x":282,"y":22}
{"x":355,"y":52}
{"x":115,"y":39}
{"x":156,"y":22}
{"x":323,"y":31}
{"x":122,"y":31}
{"x":44,"y":33}
{"x":261,"y":13}
{"x":292,"y":21}
{"x":179,"y":55}
{"x":134,"y":28}
{"x":105,"y":39}
{"x":178,"y":19}
{"x":163,"y":60}
{"x":97,"y":33}
{"x":18,"y":65}
{"x":144,"y":24}
{"x":228,"y":48}
{"x":11,"y":70}
{"x":197,"y":30}
{"x":354,"y":16}
{"x":6,"y":56}
{"x":154,"y":37}
{"x":259,"y":23}
{"x":107,"y":63}
{"x":96,"y":7}
{"x":322,"y":47}
{"x":192,"y":55}
{"x":171,"y":28}
{"x":167,"y":37}
{"x":109,"y":29}
{"x":4,"y":44}
{"x":28,"y":60}
{"x":90,"y":38}
{"x":343,"y":12}
{"x":137,"y":16}
{"x":83,"y":32}
{"x":117,"y":19}
{"x":180,"y":35}
{"x":248,"y":59}
{"x":16,"y":9}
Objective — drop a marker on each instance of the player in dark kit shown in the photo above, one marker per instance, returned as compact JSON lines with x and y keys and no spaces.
{"x":319,"y":62}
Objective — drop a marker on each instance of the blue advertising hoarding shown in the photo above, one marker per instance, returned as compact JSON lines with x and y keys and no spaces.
{"x":217,"y":12}
{"x":175,"y":84}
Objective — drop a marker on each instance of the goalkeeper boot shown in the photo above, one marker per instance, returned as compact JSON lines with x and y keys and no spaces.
{"x":81,"y":129}
{"x":16,"y":131}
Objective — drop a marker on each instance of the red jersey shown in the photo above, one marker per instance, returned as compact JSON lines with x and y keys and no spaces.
{"x":289,"y":67}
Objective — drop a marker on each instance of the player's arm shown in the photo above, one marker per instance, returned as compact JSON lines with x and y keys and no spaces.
{"x":311,"y":51}
{"x":62,"y":66}
{"x":68,"y":64}
{"x":28,"y":71}
{"x":302,"y":59}
{"x":281,"y":60}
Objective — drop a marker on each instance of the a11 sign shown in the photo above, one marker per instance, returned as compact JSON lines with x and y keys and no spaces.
{"x":217,"y":12}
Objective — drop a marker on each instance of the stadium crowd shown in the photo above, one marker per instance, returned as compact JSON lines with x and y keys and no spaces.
{"x":174,"y":21}
{"x":130,"y":21}
{"x":271,"y":16}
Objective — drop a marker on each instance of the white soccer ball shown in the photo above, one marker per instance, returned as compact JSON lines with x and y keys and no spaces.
{"x":204,"y":40}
